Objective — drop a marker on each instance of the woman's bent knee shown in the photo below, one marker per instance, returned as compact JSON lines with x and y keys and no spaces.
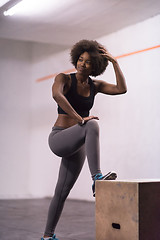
{"x":93,"y":125}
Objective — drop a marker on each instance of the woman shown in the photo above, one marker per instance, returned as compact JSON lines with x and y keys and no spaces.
{"x":75,"y":134}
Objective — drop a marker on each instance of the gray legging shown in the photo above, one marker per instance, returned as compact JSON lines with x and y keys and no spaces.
{"x":73,"y":145}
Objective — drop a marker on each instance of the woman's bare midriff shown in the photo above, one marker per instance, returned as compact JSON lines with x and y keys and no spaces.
{"x":64,"y":121}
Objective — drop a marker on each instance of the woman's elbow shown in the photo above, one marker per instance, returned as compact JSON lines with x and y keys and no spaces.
{"x":57,"y":96}
{"x":122,"y":91}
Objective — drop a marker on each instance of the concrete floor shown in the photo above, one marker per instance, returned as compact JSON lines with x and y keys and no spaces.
{"x":25,"y":219}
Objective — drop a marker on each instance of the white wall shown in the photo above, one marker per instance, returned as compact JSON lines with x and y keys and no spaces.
{"x":130,"y":123}
{"x":15,"y":74}
{"x":43,"y":164}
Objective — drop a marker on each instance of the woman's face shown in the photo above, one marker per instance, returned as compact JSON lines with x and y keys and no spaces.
{"x":84,"y":64}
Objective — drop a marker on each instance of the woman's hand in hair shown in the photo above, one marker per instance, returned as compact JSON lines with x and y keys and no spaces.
{"x":106,"y":54}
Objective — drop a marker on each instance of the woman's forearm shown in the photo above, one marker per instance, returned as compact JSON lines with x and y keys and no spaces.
{"x":120,"y":79}
{"x":66,"y":106}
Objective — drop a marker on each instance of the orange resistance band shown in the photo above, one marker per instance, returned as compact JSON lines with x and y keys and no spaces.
{"x":121,"y":56}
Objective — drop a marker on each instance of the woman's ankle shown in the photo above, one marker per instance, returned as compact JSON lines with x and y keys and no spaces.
{"x":46,"y":237}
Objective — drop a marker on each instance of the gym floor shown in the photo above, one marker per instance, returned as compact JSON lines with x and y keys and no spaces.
{"x":25,"y":219}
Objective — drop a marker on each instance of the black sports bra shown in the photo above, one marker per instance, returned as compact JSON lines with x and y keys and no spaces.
{"x":81,"y":104}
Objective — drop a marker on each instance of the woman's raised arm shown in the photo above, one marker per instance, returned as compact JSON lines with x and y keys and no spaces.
{"x":113,"y":89}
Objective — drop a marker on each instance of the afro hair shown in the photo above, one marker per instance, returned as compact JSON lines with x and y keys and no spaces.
{"x":96,"y":50}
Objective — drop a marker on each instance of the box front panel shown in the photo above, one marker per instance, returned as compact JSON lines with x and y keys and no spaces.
{"x":116,"y":210}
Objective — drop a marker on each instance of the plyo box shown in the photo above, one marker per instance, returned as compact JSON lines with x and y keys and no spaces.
{"x":128,"y":210}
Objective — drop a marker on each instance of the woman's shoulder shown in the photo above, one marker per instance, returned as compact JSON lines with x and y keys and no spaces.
{"x":64,"y":80}
{"x":63,"y":77}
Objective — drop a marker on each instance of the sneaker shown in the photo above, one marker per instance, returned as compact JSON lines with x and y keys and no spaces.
{"x":99,"y":176}
{"x":50,"y":238}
